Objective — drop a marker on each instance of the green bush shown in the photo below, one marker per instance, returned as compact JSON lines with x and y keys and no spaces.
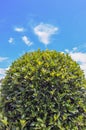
{"x":44,"y":90}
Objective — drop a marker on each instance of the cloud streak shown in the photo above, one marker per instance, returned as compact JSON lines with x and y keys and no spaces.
{"x":44,"y":32}
{"x":3,"y":59}
{"x":26,"y":40}
{"x":17,"y":29}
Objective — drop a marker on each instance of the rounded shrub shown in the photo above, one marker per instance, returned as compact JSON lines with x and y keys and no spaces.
{"x":44,"y":90}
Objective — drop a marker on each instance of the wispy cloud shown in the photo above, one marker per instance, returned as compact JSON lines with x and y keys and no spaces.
{"x":26,"y":40}
{"x":44,"y":32}
{"x":3,"y":59}
{"x":17,"y":29}
{"x":11,"y":40}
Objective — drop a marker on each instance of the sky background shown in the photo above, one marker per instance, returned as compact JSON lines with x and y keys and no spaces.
{"x":26,"y":25}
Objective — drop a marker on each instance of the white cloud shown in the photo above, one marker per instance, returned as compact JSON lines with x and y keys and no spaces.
{"x":44,"y":32}
{"x":17,"y":29}
{"x":79,"y":57}
{"x":66,"y":50}
{"x":11,"y":40}
{"x":3,"y":59}
{"x":75,"y":48}
{"x":26,"y":40}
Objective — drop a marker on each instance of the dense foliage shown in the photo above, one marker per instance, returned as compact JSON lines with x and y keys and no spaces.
{"x":44,"y":90}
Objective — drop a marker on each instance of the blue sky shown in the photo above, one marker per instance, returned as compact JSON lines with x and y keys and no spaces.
{"x":26,"y":25}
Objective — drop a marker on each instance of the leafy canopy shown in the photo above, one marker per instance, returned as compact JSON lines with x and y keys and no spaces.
{"x":44,"y":90}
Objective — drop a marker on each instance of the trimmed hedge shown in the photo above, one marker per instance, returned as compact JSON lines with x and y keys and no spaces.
{"x":44,"y":90}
